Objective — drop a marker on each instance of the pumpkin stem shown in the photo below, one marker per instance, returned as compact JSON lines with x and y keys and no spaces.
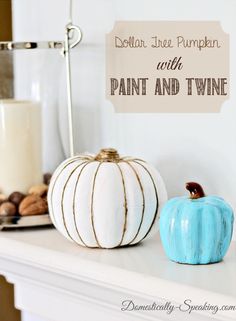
{"x":108,"y":155}
{"x":195,"y":190}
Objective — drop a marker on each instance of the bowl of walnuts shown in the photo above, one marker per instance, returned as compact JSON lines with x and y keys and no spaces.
{"x":26,"y":210}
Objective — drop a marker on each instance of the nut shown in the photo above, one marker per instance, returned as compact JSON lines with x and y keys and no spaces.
{"x":33,"y":205}
{"x":40,"y":190}
{"x":3,"y":198}
{"x":16,"y":198}
{"x":7,"y":209}
{"x":46,"y":178}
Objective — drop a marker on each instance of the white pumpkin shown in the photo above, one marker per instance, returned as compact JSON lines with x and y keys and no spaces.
{"x":105,"y":201}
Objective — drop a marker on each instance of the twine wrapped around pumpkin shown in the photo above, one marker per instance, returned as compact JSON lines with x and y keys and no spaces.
{"x":105,"y":201}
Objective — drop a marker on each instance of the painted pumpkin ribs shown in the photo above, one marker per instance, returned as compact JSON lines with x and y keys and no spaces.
{"x":105,"y":201}
{"x":196,"y":229}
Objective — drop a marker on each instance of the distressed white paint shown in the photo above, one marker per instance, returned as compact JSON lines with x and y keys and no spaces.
{"x":105,"y":204}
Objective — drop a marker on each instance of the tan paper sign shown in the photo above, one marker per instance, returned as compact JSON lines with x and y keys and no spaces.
{"x":167,"y":66}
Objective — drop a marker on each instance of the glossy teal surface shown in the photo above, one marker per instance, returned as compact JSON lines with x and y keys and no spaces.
{"x":196,"y":231}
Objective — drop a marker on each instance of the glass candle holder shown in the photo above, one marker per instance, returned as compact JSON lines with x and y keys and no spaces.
{"x":29,"y":134}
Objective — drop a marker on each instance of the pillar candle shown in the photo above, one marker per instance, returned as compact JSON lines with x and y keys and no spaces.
{"x":20,"y":145}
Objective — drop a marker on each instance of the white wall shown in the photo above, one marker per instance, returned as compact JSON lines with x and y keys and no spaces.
{"x":182,"y":146}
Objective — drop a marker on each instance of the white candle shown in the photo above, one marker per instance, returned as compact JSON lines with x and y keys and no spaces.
{"x":20,"y":145}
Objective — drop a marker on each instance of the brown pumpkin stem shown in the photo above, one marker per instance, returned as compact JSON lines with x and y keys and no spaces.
{"x":108,"y":155}
{"x":195,"y":190}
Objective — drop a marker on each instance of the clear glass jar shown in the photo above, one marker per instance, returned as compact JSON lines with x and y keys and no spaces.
{"x":30,"y":143}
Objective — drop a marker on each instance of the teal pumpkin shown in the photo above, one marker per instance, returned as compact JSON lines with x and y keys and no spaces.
{"x":196,"y":229}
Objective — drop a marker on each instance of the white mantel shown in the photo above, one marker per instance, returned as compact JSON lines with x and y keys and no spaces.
{"x":59,"y":281}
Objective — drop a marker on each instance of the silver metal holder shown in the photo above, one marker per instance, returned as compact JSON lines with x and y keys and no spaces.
{"x":15,"y":222}
{"x":73,"y":36}
{"x":11,"y":45}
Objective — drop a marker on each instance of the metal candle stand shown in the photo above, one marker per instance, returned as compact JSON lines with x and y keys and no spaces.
{"x":73,"y":36}
{"x":72,"y":32}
